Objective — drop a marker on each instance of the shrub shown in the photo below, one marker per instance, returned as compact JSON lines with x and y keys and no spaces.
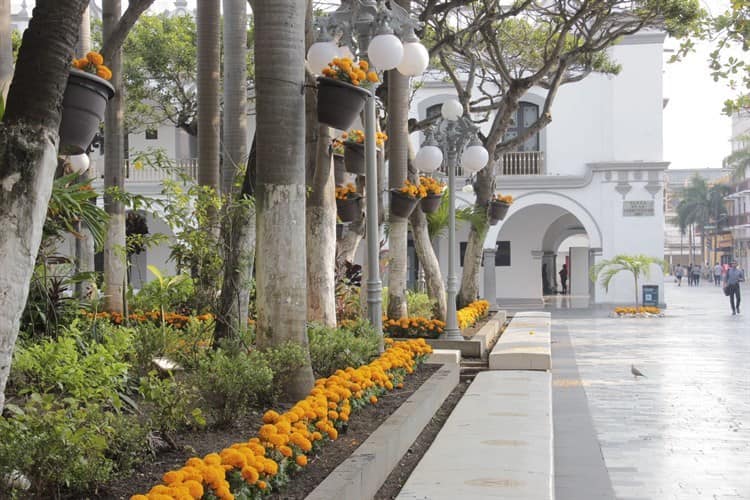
{"x":231,"y":383}
{"x":176,"y":298}
{"x":334,"y":349}
{"x":71,"y":447}
{"x":173,"y":404}
{"x":419,"y":304}
{"x":284,"y":360}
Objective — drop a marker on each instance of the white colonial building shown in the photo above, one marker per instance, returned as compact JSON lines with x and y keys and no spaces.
{"x":588,"y":187}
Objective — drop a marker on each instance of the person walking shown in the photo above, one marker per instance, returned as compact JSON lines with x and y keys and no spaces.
{"x":564,"y":278}
{"x":732,"y":282}
{"x":696,"y":275}
{"x":679,"y":272}
{"x":690,"y":274}
{"x":717,"y":274}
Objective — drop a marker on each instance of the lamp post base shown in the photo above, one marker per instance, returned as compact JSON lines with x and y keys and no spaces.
{"x":452,"y":334}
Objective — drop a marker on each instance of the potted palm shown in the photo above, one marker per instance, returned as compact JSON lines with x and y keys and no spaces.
{"x":85,"y":99}
{"x":498,"y":208}
{"x":348,"y":203}
{"x":340,"y":95}
{"x":354,"y":149}
{"x":434,"y":189}
{"x":405,"y":198}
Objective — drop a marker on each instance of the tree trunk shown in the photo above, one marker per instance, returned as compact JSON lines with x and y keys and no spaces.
{"x":348,"y":245}
{"x":398,"y":150}
{"x":6,"y":48}
{"x":235,"y":92}
{"x":238,"y":224}
{"x":209,"y":43}
{"x":281,"y":189}
{"x":85,"y":251}
{"x":115,"y":263}
{"x":28,"y":156}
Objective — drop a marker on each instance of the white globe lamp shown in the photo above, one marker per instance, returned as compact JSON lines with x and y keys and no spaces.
{"x":451,"y":110}
{"x":385,"y":51}
{"x":345,"y":52}
{"x":428,"y":159}
{"x":320,"y":54}
{"x":474,"y":158}
{"x":78,"y":163}
{"x":415,"y":60}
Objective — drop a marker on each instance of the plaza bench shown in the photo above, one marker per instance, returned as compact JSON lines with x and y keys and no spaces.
{"x":497,"y":443}
{"x":525,"y":344}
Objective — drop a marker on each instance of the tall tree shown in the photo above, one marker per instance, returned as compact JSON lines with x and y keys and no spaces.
{"x":238,"y":223}
{"x":701,"y":205}
{"x":398,"y":151}
{"x":495,"y":53}
{"x":209,"y":128}
{"x":28,"y":156}
{"x":6,"y":48}
{"x":637,"y":265}
{"x":321,"y":205}
{"x":115,"y":264}
{"x":281,"y":189}
{"x":739,"y":160}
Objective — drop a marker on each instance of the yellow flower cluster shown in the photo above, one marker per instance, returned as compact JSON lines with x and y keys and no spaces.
{"x":170,"y":318}
{"x":93,"y":63}
{"x":432,"y":186}
{"x":413,"y":327}
{"x":472,"y":313}
{"x":285,"y":440}
{"x":412,"y":190}
{"x":503,"y":199}
{"x":357,"y":136}
{"x":348,"y":71}
{"x":637,"y":310}
{"x":346,"y":192}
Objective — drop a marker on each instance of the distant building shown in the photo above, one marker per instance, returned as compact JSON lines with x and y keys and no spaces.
{"x":739,"y":200}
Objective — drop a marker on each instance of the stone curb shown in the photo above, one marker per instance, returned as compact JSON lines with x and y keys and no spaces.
{"x":362,"y":474}
{"x":479,"y":345}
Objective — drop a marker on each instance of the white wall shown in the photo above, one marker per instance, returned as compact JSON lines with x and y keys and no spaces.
{"x":578,"y":274}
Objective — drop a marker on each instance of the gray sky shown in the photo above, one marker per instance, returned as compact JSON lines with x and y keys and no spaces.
{"x":696,"y":134}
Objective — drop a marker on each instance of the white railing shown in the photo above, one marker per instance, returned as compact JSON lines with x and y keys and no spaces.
{"x":523,"y":163}
{"x":141,"y":173}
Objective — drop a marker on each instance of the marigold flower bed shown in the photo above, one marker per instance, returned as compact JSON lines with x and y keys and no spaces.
{"x":419,"y":327}
{"x":638,"y":311}
{"x":172,"y":319}
{"x":251,"y":469}
{"x":472,"y":313}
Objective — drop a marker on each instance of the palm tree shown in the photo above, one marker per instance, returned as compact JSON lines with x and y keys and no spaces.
{"x":739,"y":160}
{"x":281,"y":189}
{"x":638,"y":265}
{"x":702,"y":205}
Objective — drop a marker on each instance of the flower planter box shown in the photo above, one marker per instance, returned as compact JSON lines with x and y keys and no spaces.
{"x":401,"y":204}
{"x":339,"y":170}
{"x":84,"y":103}
{"x":349,"y":209}
{"x":354,"y":159}
{"x":497,"y":211}
{"x":431,"y":203}
{"x":339,"y":103}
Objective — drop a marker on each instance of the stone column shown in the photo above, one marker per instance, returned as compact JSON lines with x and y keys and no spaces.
{"x":490,"y":288}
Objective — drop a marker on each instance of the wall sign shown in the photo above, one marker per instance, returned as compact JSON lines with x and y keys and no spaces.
{"x":638,"y":208}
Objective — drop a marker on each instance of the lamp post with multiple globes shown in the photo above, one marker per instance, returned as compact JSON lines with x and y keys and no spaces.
{"x":383,"y":32}
{"x":452,"y":135}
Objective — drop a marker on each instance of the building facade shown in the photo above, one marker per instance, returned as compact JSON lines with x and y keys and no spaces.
{"x":739,"y":200}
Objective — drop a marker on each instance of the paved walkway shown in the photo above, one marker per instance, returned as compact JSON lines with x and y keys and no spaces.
{"x":682,"y":433}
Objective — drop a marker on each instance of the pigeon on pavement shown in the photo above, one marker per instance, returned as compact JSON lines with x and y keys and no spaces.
{"x":636,"y":372}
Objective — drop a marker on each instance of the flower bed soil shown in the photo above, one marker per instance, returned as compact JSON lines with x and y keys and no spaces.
{"x":361,"y":425}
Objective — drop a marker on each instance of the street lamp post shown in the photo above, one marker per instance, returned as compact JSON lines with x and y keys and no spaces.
{"x":453,"y":133}
{"x":375,"y":30}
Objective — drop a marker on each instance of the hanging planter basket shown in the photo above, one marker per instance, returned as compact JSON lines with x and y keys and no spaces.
{"x":349,"y":209}
{"x":84,"y":102}
{"x":339,"y":171}
{"x":496,"y":211}
{"x":354,"y":158}
{"x":431,"y":203}
{"x":401,"y":204}
{"x":339,"y":103}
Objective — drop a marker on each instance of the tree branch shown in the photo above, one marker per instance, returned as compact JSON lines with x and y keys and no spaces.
{"x":124,"y":25}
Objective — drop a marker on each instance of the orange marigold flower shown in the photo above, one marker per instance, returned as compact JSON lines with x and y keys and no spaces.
{"x":262,"y":485}
{"x":373,"y":399}
{"x":301,"y":460}
{"x":173,"y":476}
{"x":95,"y":58}
{"x":195,"y":488}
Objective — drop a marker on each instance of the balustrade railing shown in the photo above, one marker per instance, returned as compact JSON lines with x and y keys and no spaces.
{"x":138,"y":172}
{"x":739,"y":220}
{"x":523,"y":163}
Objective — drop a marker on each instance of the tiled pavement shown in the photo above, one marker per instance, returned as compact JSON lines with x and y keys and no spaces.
{"x":681,"y":433}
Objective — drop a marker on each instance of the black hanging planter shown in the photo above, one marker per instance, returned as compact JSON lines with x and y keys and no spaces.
{"x":84,"y":103}
{"x":354,"y":158}
{"x":431,"y":203}
{"x":401,"y":204}
{"x":349,"y":209}
{"x":339,"y":171}
{"x":496,"y":211}
{"x":339,"y":103}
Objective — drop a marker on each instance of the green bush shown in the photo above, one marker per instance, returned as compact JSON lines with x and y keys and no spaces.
{"x":152,"y":341}
{"x":177,"y":298}
{"x":172,"y":404}
{"x":420,"y":304}
{"x":69,"y":366}
{"x":66,"y":448}
{"x":332,"y":349}
{"x":232,"y":383}
{"x":284,"y":360}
